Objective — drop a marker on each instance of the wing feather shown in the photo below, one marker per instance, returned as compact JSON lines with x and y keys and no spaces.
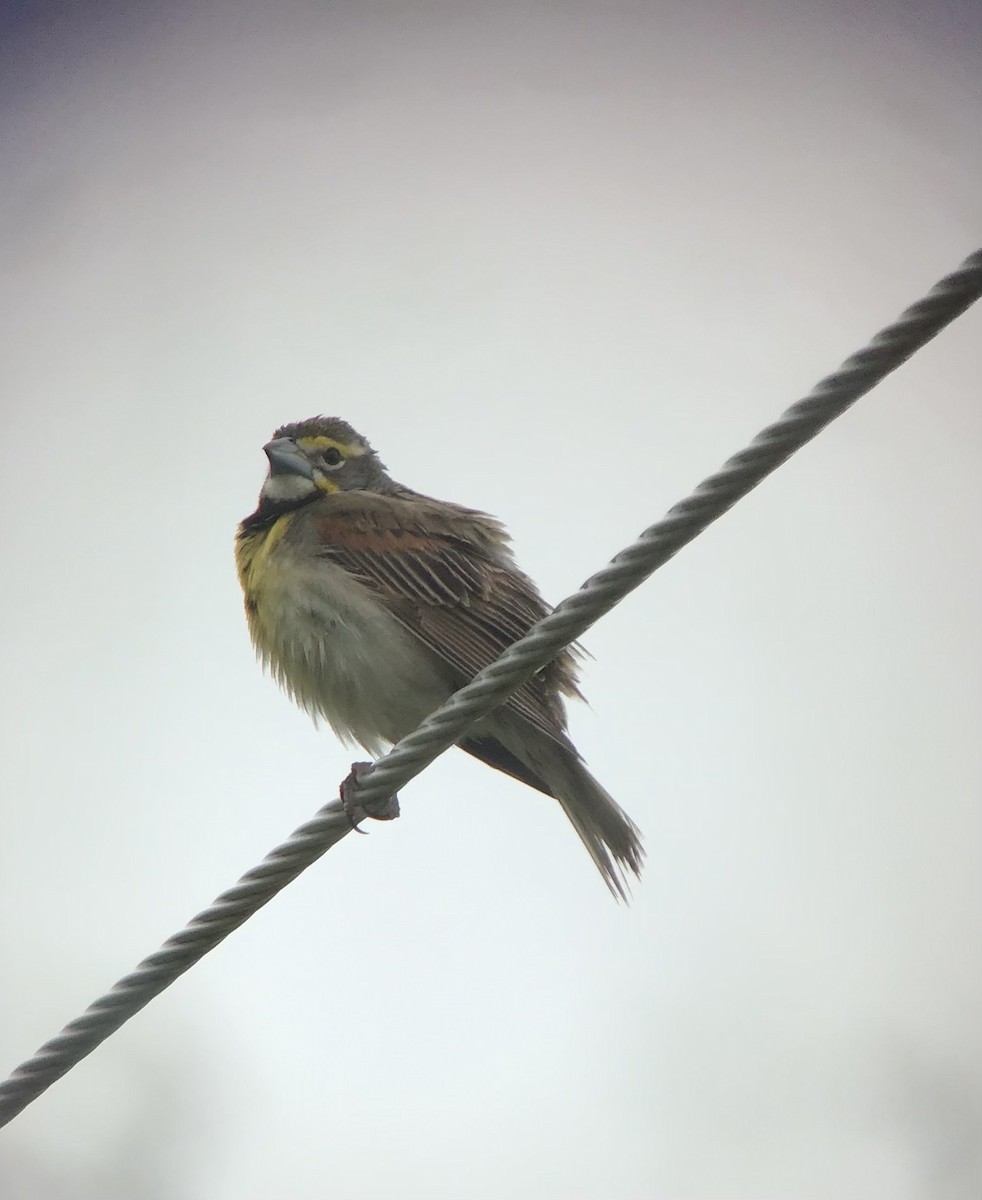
{"x":452,"y":583}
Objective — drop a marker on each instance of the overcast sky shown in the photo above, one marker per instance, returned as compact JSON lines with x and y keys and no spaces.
{"x":557,"y":261}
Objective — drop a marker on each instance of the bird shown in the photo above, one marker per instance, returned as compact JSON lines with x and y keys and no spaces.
{"x":371,"y":604}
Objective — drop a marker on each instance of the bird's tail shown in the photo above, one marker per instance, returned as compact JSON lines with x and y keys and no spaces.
{"x":511,"y":744}
{"x":612,"y":839}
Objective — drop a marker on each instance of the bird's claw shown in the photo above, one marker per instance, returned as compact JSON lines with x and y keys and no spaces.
{"x":378,"y":810}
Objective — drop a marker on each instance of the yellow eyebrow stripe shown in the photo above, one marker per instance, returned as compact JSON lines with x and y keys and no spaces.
{"x":321,"y":442}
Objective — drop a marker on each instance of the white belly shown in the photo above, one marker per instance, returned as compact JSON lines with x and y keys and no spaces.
{"x":341,"y":655}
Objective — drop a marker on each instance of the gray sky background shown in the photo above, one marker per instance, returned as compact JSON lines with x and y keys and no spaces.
{"x":557,"y":262}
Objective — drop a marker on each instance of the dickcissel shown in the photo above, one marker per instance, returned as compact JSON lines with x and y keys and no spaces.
{"x":372,"y":604}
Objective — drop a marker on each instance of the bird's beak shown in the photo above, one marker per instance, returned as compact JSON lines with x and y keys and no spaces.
{"x":286,"y":458}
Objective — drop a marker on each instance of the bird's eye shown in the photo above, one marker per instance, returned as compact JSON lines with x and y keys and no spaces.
{"x":332,"y":457}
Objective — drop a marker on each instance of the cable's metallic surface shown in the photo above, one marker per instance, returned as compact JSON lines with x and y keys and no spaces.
{"x":373,"y":792}
{"x":739,"y":475}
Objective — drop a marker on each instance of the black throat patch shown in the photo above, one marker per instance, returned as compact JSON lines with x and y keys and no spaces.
{"x":270,"y":511}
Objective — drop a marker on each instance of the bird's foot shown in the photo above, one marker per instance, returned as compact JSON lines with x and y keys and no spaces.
{"x":378,"y":810}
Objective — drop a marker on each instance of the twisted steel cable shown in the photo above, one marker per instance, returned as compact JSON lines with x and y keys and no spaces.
{"x":374,"y":791}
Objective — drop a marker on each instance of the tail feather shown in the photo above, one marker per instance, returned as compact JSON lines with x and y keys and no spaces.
{"x":611,"y":838}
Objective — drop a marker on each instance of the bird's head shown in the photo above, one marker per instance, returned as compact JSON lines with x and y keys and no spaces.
{"x":319,"y":456}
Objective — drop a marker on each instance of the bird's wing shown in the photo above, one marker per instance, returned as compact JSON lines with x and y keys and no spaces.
{"x":446,"y":575}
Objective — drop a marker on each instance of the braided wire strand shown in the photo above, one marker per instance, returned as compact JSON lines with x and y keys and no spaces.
{"x":375,"y":789}
{"x":739,"y":475}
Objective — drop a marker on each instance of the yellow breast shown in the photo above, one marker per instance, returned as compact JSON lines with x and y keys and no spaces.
{"x":252,"y":558}
{"x":332,"y":643}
